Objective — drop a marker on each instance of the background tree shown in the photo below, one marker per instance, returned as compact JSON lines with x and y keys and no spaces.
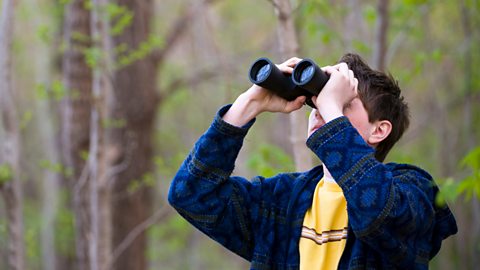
{"x":10,"y":184}
{"x":134,"y":108}
{"x":76,"y":115}
{"x":170,"y":66}
{"x":289,"y":47}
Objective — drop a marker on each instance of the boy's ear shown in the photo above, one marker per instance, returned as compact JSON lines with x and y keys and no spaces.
{"x":381,"y":130}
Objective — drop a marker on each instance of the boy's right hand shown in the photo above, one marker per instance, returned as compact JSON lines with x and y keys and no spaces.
{"x":257,"y":100}
{"x":339,"y":91}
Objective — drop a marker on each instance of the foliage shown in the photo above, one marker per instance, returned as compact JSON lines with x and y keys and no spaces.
{"x":56,"y":91}
{"x":5,"y":173}
{"x":63,"y":224}
{"x":120,"y":16}
{"x":55,"y":167}
{"x":469,"y":186}
{"x":268,"y":160}
{"x":147,"y":180}
{"x":144,"y":48}
{"x":168,"y":239}
{"x":64,"y":227}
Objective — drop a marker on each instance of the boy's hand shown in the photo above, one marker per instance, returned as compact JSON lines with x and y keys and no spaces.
{"x":339,"y":91}
{"x":257,"y":100}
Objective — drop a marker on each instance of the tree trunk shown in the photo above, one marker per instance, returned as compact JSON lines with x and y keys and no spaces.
{"x":353,"y":25}
{"x":469,"y":131}
{"x":75,"y":131}
{"x":100,"y":159}
{"x":9,"y":143}
{"x":46,"y":119}
{"x":287,"y":38}
{"x":46,"y":123}
{"x":135,"y":104}
{"x":381,"y":30}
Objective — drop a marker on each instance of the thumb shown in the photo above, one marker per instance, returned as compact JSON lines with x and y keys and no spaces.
{"x":295,"y":104}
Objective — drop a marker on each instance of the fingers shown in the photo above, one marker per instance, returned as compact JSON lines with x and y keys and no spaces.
{"x":329,"y":69}
{"x":342,"y":64}
{"x":287,"y":66}
{"x":285,"y":69}
{"x":295,"y":104}
{"x":343,"y":69}
{"x":292,"y":61}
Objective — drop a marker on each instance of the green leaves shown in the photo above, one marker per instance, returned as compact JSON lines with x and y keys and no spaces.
{"x":469,"y":186}
{"x":56,"y":91}
{"x":56,"y":167}
{"x":6,"y":173}
{"x":472,"y":160}
{"x":147,"y":180}
{"x":120,"y":17}
{"x":268,"y":160}
{"x":415,"y":2}
{"x":139,"y":53}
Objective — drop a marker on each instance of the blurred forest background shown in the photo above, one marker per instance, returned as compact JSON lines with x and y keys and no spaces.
{"x":101,"y":100}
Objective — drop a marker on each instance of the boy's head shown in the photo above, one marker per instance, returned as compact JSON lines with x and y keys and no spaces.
{"x":381,"y":97}
{"x":379,"y":113}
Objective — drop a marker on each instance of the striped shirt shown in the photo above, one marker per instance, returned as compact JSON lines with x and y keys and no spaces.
{"x":324,"y":230}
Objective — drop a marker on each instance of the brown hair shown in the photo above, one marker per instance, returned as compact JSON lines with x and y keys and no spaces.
{"x":381,"y":96}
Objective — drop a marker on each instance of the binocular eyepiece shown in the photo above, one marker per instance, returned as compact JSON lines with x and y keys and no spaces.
{"x":307,"y":79}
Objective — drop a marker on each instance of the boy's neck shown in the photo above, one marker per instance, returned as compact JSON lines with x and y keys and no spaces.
{"x":327,"y":176}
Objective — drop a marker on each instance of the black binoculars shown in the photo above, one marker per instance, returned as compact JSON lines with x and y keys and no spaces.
{"x":307,"y":79}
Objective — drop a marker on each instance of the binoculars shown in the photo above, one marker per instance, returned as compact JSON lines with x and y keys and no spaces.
{"x":307,"y":79}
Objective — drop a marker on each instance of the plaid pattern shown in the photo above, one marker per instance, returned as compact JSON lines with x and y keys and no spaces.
{"x":393,"y":221}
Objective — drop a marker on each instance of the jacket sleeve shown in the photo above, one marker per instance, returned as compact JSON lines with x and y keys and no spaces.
{"x":203,"y":192}
{"x":392,"y":210}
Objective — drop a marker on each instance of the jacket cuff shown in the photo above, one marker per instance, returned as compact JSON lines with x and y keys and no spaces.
{"x":227,"y":129}
{"x":343,"y":151}
{"x":327,"y":131}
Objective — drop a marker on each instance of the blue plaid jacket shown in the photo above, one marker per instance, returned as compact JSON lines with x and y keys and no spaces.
{"x":393,"y":220}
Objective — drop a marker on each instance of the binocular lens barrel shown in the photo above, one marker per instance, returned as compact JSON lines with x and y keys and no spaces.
{"x":267,"y":75}
{"x":309,"y":76}
{"x":307,"y":79}
{"x":307,"y":73}
{"x":263,"y":72}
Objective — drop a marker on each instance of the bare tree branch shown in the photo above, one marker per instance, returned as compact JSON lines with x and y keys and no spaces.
{"x":274,"y":4}
{"x":159,"y":215}
{"x":196,"y":78}
{"x":114,"y":170}
{"x":176,"y":32}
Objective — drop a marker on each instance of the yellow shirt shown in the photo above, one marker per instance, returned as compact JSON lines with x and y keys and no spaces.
{"x":324,"y":232}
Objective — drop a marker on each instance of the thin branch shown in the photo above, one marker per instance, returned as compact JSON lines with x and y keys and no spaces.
{"x":274,"y":4}
{"x":159,"y":215}
{"x":192,"y":80}
{"x":297,"y":8}
{"x":176,"y":32}
{"x":121,"y":166}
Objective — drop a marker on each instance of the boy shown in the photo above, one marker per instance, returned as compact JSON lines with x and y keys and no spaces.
{"x":352,"y":212}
